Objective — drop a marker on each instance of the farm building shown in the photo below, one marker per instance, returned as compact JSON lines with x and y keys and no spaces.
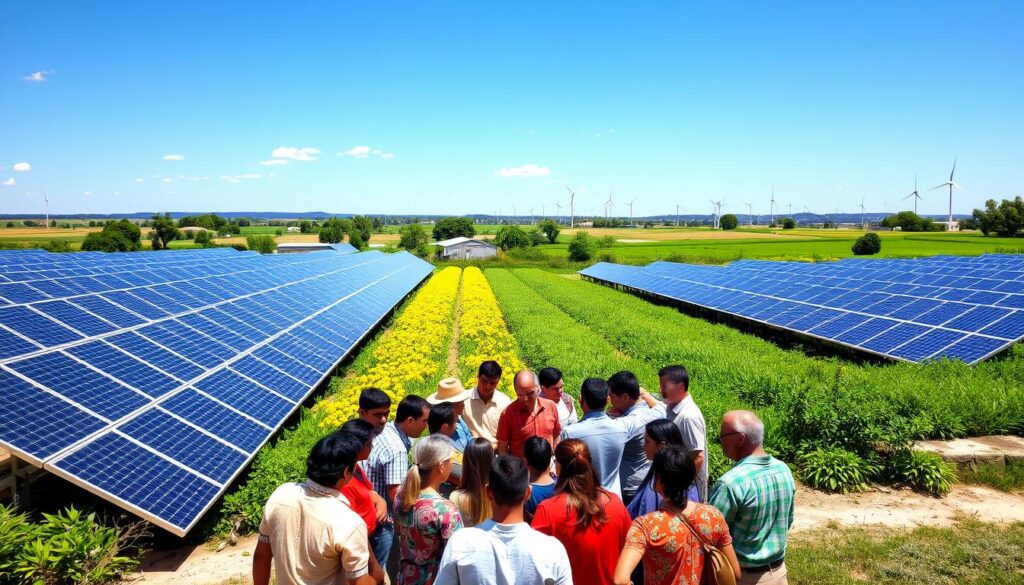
{"x":292,"y":247}
{"x":294,"y":229}
{"x":191,"y":231}
{"x":466,"y":249}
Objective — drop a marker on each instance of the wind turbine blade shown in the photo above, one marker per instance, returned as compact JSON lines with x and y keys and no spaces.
{"x":952,"y":171}
{"x":939,"y":186}
{"x":909,"y":196}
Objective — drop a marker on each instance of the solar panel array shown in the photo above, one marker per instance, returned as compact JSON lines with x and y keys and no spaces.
{"x":151,"y":379}
{"x":967,"y":308}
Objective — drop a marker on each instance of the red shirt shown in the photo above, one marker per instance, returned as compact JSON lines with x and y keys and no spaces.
{"x":358,"y":491}
{"x":517,"y":423}
{"x":593,"y":551}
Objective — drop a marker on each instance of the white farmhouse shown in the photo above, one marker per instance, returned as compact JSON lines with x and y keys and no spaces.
{"x":466,"y":249}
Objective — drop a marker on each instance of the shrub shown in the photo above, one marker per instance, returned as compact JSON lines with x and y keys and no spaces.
{"x":414,"y":239}
{"x":263,"y":244}
{"x":454,"y":227}
{"x":203,"y":239}
{"x":550,"y":229}
{"x":835,"y":470}
{"x":728,"y":221}
{"x":582,"y":247}
{"x":512,"y":236}
{"x":788,"y":223}
{"x":867,"y":245}
{"x":925,"y":472}
{"x":606,"y":242}
{"x":240,"y":247}
{"x":57,"y":246}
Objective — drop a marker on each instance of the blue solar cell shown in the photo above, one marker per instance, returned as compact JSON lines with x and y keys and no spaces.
{"x":943,"y":313}
{"x":978,"y":318}
{"x":157,"y":356}
{"x":927,"y":344}
{"x":135,"y":304}
{"x":151,"y":484}
{"x":985,"y":298}
{"x":1012,"y":302}
{"x":219,"y":420}
{"x":38,"y":423}
{"x":912,"y":311}
{"x":74,"y":380}
{"x":245,"y":396}
{"x":12,"y":345}
{"x":35,"y":326}
{"x":1009,"y":327}
{"x":836,"y":326}
{"x":216,"y":331}
{"x":185,"y":444}
{"x":75,"y":317}
{"x":288,"y":364}
{"x":108,"y":311}
{"x":894,"y":337}
{"x":272,"y":378}
{"x":53,"y":288}
{"x":18,"y":292}
{"x":815,"y":319}
{"x":188,"y":343}
{"x":163,"y":296}
{"x":124,"y":367}
{"x":972,"y":348}
{"x":861,"y":333}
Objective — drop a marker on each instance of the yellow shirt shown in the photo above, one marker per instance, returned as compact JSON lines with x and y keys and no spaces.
{"x":482,"y":417}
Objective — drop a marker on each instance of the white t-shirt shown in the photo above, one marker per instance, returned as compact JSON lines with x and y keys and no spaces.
{"x":690,"y":420}
{"x":503,"y":554}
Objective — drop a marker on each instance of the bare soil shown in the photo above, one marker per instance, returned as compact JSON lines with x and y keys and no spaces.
{"x":882,"y":507}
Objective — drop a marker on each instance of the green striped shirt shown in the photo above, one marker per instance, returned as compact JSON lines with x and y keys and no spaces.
{"x":756,"y":498}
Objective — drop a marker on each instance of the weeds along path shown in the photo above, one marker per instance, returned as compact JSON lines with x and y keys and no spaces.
{"x":407,"y":357}
{"x":483,"y":333}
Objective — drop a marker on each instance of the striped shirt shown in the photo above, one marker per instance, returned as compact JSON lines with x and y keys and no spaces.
{"x":389,"y":460}
{"x":756,"y":498}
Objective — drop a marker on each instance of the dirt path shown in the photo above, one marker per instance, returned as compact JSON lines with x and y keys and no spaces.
{"x":880,"y":507}
{"x":453,"y":346}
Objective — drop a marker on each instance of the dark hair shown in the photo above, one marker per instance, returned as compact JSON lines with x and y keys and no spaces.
{"x":508,"y":480}
{"x":537,"y":453}
{"x":676,"y":375}
{"x":594,"y":393}
{"x":624,"y":383}
{"x":440,"y":415}
{"x":489,"y":369}
{"x":371,"y":398}
{"x":331,"y":457}
{"x":578,"y":481}
{"x":358,"y":428}
{"x":676,"y":470}
{"x":664,"y":431}
{"x":549,"y":376}
{"x":411,"y":406}
{"x":476,"y":467}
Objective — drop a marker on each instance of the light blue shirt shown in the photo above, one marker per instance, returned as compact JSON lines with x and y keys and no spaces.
{"x":461,"y":435}
{"x":634,"y":460}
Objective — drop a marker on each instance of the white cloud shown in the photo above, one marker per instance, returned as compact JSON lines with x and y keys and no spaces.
{"x":274,"y":162}
{"x":167,"y":180}
{"x":306,"y":153}
{"x":22,"y":166}
{"x":527,"y":170}
{"x":366,"y":152}
{"x":240,"y":178}
{"x":173,"y":157}
{"x":38,"y":75}
{"x":117,"y":192}
{"x":87,"y":193}
{"x":387,"y":155}
{"x":9,"y":182}
{"x":140,"y":180}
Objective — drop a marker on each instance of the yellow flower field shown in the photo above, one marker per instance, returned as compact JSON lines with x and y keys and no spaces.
{"x":410,"y":357}
{"x":483,"y":334}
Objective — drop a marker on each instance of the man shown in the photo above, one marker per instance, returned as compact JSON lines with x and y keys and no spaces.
{"x":605,"y":436}
{"x":756,"y":497}
{"x":529,"y":416}
{"x":485,"y":403}
{"x":504,"y":550}
{"x":374,"y":408}
{"x":450,"y":390}
{"x":674,"y":383}
{"x":552,"y":387}
{"x":629,"y":401}
{"x":308,"y":529}
{"x":442,"y":421}
{"x":389,"y":462}
{"x":359,"y":492}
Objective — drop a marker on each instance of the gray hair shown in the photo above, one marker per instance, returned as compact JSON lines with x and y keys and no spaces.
{"x":533,"y":377}
{"x":432,"y":450}
{"x":746,"y":422}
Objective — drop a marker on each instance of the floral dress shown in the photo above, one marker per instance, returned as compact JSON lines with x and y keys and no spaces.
{"x":423,"y":531}
{"x":671,"y":554}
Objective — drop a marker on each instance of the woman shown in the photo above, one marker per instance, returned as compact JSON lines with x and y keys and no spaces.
{"x":588,"y":520}
{"x":423,"y":519}
{"x":471,"y":498}
{"x":670,"y":552}
{"x":658,"y":433}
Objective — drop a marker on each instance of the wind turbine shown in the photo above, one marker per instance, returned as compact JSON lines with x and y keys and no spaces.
{"x":513,"y":214}
{"x":750,"y":213}
{"x":608,"y":205}
{"x":532,"y":217}
{"x":915,"y":195}
{"x":771,"y":209}
{"x":46,"y":202}
{"x":951,"y":184}
{"x":718,"y":210}
{"x":559,"y":207}
{"x":572,"y":208}
{"x":862,"y":224}
{"x":630,"y":205}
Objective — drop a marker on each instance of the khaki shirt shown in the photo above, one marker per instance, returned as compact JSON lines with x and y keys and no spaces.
{"x":482,"y":417}
{"x":316,"y":539}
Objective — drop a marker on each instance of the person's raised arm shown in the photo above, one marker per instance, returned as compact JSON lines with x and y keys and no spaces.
{"x":261,"y":559}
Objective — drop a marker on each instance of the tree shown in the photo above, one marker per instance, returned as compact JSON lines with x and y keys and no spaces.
{"x":606,"y":242}
{"x":10,"y":224}
{"x":305,"y":227}
{"x":788,"y":223}
{"x":164,"y":231}
{"x":53,"y":223}
{"x":582,"y":247}
{"x":867,"y":245}
{"x":550,"y":229}
{"x":210,"y":221}
{"x":1006,"y":219}
{"x":728,"y":221}
{"x":537,"y":237}
{"x":414,"y":239}
{"x":203,"y":239}
{"x":28,"y":223}
{"x":244,"y":222}
{"x":127,"y":230}
{"x":262,"y":243}
{"x":117,"y":236}
{"x":356,"y":240}
{"x":512,"y":236}
{"x":908,"y":221}
{"x":362,"y":226}
{"x":454,"y":227}
{"x":333,"y":230}
{"x":969,"y":223}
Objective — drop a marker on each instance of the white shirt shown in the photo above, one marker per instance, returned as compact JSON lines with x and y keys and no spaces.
{"x":503,"y":554}
{"x":482,"y":417}
{"x":690,"y":420}
{"x":566,"y":411}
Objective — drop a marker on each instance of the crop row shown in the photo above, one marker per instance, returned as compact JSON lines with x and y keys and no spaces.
{"x":483,"y":334}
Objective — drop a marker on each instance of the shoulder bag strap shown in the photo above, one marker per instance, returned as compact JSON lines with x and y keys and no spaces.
{"x":705,"y":544}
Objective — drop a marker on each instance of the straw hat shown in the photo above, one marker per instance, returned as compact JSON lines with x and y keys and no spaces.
{"x":449,"y":390}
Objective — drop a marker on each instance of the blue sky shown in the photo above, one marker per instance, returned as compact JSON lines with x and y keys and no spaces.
{"x":434,"y":102}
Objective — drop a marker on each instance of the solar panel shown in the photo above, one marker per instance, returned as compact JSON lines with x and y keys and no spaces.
{"x":967,"y":308}
{"x":153,"y":379}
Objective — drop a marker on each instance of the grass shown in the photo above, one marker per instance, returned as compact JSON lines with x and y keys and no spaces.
{"x":970,"y":552}
{"x":1008,"y":479}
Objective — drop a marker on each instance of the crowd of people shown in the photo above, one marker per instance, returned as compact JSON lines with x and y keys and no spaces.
{"x":503,"y":491}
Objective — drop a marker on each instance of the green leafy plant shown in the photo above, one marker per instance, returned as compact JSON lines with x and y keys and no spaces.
{"x":835,"y":470}
{"x":922,"y":471}
{"x":867,"y":245}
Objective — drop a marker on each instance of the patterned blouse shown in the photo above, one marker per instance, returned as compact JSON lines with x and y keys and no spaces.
{"x":671,"y":554}
{"x":423,"y":531}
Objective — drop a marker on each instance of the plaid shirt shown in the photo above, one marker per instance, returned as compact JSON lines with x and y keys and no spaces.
{"x":756,"y":498}
{"x":389,"y":460}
